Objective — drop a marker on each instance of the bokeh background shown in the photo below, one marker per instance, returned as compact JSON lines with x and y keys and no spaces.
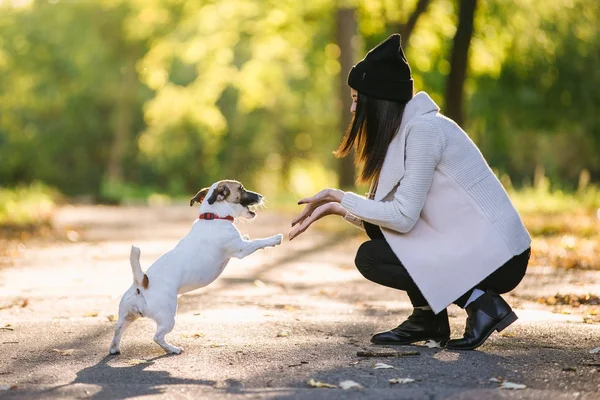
{"x":121,"y":101}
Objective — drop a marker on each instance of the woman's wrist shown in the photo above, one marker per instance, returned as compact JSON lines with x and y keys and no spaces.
{"x":337,"y":195}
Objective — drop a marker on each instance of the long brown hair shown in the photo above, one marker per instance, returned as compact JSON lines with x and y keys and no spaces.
{"x":371,"y":131}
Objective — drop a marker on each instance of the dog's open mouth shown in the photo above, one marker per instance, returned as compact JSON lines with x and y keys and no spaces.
{"x":251,"y":211}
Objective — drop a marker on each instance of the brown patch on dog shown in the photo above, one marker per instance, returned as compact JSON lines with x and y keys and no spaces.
{"x":145,"y":282}
{"x":199,"y":196}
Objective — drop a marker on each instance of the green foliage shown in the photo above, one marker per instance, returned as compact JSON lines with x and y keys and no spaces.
{"x":31,"y":205}
{"x":101,"y":97}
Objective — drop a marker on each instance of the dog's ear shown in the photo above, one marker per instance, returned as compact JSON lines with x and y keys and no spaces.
{"x":219,"y":194}
{"x":199,"y":196}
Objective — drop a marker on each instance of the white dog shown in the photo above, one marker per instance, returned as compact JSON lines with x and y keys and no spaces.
{"x":196,"y":261}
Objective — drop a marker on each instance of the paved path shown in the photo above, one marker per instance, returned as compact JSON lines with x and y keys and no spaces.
{"x":269,"y":324}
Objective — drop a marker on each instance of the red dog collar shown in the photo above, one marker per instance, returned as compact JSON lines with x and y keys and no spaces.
{"x":210,"y":216}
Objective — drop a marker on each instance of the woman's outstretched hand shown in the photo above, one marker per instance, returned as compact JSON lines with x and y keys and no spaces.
{"x":326,"y":202}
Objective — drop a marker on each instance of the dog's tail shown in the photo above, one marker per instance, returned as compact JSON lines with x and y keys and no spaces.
{"x":139,"y":278}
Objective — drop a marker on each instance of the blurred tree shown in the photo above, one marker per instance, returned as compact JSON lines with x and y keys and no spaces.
{"x":172,"y":95}
{"x":345,"y":36}
{"x":459,"y":61}
{"x":405,"y":29}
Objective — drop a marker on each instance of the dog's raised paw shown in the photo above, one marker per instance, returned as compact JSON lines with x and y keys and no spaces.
{"x":277,"y":239}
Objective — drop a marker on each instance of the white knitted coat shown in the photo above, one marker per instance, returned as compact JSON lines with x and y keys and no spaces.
{"x":441,"y":208}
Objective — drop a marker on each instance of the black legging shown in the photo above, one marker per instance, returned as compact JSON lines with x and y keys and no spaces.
{"x":377,"y":262}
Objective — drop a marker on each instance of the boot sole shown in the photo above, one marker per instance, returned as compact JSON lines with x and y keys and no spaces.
{"x":500,"y":326}
{"x":442,"y":342}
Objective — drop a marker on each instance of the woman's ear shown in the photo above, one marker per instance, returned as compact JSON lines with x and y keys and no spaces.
{"x":219,"y":194}
{"x":199,"y":196}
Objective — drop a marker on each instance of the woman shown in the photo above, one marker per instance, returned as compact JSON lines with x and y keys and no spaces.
{"x":441,"y":226}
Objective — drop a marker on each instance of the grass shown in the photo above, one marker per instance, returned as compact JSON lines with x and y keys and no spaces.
{"x":25,"y":208}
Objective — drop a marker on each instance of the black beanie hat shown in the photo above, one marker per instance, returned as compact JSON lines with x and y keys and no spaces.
{"x":384,"y":73}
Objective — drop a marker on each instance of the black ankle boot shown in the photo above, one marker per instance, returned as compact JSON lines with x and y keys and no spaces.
{"x":421,"y":325}
{"x":486,"y":314}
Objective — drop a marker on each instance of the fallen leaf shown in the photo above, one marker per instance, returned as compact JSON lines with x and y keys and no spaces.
{"x":196,"y":313}
{"x":382,"y":366}
{"x":136,"y":361}
{"x":511,"y":385}
{"x":193,"y":335}
{"x":91,"y":314}
{"x":432,"y":344}
{"x":259,"y":283}
{"x":316,"y":384}
{"x":283,"y":333}
{"x":346,"y":385}
{"x":594,"y":351}
{"x":111,"y":318}
{"x":401,"y":380}
{"x":213,"y":345}
{"x":289,"y":308}
{"x":507,"y":334}
{"x":67,"y":352}
{"x":8,"y":387}
{"x":73,"y":236}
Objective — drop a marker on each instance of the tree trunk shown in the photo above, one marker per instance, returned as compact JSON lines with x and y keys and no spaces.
{"x":459,"y":60}
{"x":406,"y":29}
{"x":123,"y":123}
{"x":345,"y":31}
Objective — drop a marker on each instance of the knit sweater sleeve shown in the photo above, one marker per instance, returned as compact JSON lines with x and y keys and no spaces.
{"x":424,"y":147}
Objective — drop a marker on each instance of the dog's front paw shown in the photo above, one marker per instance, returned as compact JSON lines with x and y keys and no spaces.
{"x":277,"y":239}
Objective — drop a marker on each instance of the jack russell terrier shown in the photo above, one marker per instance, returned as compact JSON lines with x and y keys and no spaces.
{"x":196,"y":261}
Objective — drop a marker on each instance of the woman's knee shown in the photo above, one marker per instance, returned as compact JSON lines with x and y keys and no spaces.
{"x":364,"y":259}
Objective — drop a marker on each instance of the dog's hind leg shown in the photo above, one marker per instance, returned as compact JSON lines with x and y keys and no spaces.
{"x":164,"y":325}
{"x":120,"y":328}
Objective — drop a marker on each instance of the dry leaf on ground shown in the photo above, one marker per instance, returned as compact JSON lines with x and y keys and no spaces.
{"x":317,"y":384}
{"x":192,"y":335}
{"x":511,"y":385}
{"x":432,"y":344}
{"x":573,"y":300}
{"x":382,"y":366}
{"x":111,"y":317}
{"x":91,"y":314}
{"x":283,"y":333}
{"x":401,"y":380}
{"x":64,"y":352}
{"x":346,"y":385}
{"x":259,"y":283}
{"x":217,"y":345}
{"x":136,"y":361}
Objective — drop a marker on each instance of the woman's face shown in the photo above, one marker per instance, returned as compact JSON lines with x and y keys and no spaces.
{"x":354,"y":95}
